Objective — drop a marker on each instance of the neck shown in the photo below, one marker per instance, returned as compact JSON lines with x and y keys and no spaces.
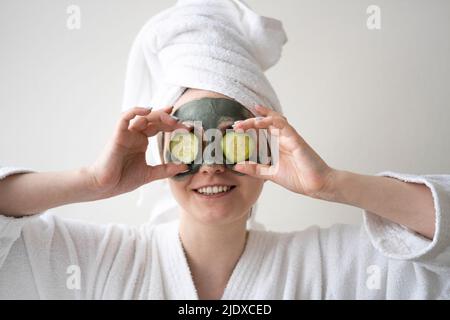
{"x":212,"y":252}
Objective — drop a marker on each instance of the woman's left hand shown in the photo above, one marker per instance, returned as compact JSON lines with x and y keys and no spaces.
{"x":300,"y":169}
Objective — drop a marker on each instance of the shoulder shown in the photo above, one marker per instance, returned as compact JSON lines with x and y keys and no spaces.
{"x":52,"y":230}
{"x":311,"y":234}
{"x":314,"y":240}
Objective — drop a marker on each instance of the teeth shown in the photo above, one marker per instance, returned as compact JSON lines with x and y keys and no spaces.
{"x":213,"y":190}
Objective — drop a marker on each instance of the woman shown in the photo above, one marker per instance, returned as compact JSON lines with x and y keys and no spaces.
{"x":215,"y":256}
{"x":221,"y":49}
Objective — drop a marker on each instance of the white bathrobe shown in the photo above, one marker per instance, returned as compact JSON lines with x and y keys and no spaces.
{"x":46,"y":257}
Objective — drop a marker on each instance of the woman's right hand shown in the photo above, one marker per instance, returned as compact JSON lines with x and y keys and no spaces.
{"x":122,"y":166}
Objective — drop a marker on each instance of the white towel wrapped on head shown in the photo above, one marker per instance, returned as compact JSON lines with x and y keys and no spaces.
{"x":216,"y":45}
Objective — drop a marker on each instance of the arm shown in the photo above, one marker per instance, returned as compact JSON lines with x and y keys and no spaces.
{"x":31,"y":193}
{"x":301,"y":170}
{"x":408,"y":204}
{"x":120,"y":168}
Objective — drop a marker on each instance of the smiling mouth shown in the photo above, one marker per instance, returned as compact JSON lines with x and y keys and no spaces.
{"x":214,"y":191}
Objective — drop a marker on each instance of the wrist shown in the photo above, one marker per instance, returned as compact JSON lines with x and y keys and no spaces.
{"x":348,"y":188}
{"x":334,"y":186}
{"x":87,"y":185}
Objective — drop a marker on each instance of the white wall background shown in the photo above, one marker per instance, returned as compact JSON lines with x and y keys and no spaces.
{"x":367,"y":101}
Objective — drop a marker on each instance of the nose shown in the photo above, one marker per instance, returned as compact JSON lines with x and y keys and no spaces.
{"x":212,"y":168}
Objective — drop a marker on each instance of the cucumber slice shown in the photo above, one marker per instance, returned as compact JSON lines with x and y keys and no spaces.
{"x":184,"y":147}
{"x":237,"y":147}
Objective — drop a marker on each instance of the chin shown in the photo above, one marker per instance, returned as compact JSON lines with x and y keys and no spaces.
{"x":219,"y":215}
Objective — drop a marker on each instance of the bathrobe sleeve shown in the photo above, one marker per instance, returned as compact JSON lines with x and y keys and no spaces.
{"x":398,"y":242}
{"x":377,"y":260}
{"x":47,"y":257}
{"x":9,"y":227}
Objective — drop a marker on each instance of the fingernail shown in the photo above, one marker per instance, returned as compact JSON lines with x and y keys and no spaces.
{"x":174,"y":117}
{"x":259,"y":118}
{"x":236,"y":122}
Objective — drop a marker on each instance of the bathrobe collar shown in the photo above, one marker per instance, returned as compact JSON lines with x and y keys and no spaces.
{"x":177,"y":277}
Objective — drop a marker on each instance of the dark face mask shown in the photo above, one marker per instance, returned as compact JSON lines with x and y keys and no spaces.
{"x":213,"y":113}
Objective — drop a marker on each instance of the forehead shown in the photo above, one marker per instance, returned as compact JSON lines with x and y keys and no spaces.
{"x":212,"y":111}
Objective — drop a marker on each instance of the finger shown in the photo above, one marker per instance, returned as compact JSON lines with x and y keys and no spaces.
{"x":169,"y":119}
{"x":163,"y":122}
{"x":165,"y":171}
{"x":269,"y":112}
{"x":257,"y":170}
{"x":159,"y":115}
{"x":152,"y":129}
{"x":126,"y":117}
{"x":167,"y":109}
{"x":139,"y":123}
{"x":261,"y":122}
{"x":277,"y":125}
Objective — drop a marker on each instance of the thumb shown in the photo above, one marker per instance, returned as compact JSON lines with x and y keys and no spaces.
{"x":254,"y":169}
{"x":162,"y":171}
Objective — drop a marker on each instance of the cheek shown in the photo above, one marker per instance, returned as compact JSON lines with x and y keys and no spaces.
{"x":179,"y":189}
{"x":250,"y":188}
